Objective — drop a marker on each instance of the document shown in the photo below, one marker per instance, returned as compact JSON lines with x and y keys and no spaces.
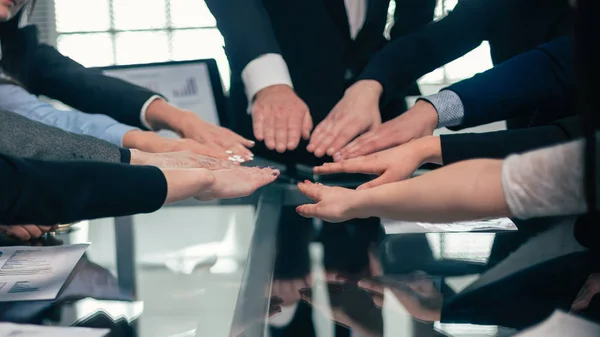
{"x":23,"y":330}
{"x":562,"y":324}
{"x":404,"y":227}
{"x":36,"y":273}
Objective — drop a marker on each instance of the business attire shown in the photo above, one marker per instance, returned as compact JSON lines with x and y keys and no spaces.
{"x":42,"y":70}
{"x":25,"y":138}
{"x":317,"y":46}
{"x":16,"y":99}
{"x":47,"y":193}
{"x":510,"y":26}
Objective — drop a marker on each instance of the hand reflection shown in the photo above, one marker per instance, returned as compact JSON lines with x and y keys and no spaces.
{"x":416,"y":293}
{"x":25,"y":232}
{"x":590,"y":289}
{"x":350,"y":307}
{"x":289,"y":290}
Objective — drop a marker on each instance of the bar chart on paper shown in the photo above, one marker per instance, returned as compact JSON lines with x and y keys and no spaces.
{"x":189,"y":89}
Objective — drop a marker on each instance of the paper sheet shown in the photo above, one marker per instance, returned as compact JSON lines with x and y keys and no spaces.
{"x":562,"y":324}
{"x":21,"y":330}
{"x":403,"y":227}
{"x":36,"y":273}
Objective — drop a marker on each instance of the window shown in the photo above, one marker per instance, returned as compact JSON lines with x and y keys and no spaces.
{"x":107,"y":32}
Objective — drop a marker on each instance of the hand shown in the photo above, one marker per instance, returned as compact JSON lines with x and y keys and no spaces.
{"x":288,"y":290}
{"x":357,"y":112}
{"x":334,"y":204}
{"x":419,"y":121}
{"x":182,"y":159}
{"x":25,"y":232}
{"x":280,"y":118}
{"x":590,"y":289}
{"x":162,"y":115}
{"x":206,"y":185}
{"x":148,"y":141}
{"x":391,"y":165}
{"x":419,"y":297}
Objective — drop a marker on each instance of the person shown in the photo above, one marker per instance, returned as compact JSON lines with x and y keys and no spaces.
{"x":292,"y":62}
{"x":511,"y":28}
{"x":42,"y":70}
{"x":46,"y":193}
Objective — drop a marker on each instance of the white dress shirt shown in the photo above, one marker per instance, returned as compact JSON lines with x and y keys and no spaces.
{"x":271,"y":69}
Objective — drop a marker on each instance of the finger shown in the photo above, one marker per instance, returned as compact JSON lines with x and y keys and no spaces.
{"x":585,"y":296}
{"x":318,"y":135}
{"x":356,"y":144}
{"x":19,"y":232}
{"x":310,"y":190}
{"x":242,"y":140}
{"x":343,"y":134}
{"x":33,"y":231}
{"x":258,"y":123}
{"x":378,"y":300}
{"x":356,"y":165}
{"x":269,"y":126}
{"x":371,"y":286}
{"x":45,"y":229}
{"x":294,"y":132}
{"x":307,"y":125}
{"x":281,"y":132}
{"x":241,"y":150}
{"x":308,"y":210}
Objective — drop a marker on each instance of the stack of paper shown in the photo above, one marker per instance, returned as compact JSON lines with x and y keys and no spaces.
{"x":404,"y":227}
{"x":20,"y":330}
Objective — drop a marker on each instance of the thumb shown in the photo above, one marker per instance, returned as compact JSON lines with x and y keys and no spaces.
{"x":307,"y":211}
{"x":307,"y":125}
{"x":384,"y":179}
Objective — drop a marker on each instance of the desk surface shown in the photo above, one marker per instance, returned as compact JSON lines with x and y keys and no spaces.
{"x":210,"y":270}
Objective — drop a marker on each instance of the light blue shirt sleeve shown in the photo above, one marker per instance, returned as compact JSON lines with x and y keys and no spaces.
{"x":449,"y":107}
{"x":16,"y":99}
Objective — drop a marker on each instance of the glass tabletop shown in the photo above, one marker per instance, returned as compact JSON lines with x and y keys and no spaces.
{"x":252,"y":267}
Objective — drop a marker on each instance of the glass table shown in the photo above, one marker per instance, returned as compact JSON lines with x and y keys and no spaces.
{"x":249,"y":267}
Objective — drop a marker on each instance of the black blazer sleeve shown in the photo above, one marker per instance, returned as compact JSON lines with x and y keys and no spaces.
{"x":540,"y":79}
{"x":43,"y":70}
{"x":500,"y":144}
{"x":409,"y":57}
{"x":411,"y":15}
{"x":246,"y":28}
{"x":49,"y":193}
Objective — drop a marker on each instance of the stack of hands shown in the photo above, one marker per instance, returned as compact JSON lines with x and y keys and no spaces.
{"x":205,"y":162}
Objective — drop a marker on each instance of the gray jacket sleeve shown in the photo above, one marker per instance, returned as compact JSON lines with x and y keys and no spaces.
{"x":22,"y":137}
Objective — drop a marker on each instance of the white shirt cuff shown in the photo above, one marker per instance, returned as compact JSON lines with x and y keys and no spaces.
{"x":265,"y":71}
{"x":145,"y":108}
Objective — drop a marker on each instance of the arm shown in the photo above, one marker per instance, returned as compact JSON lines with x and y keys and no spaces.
{"x":48,"y":193}
{"x":22,"y":137}
{"x":15,"y":98}
{"x":411,"y":15}
{"x":546,"y":182}
{"x":59,"y":77}
{"x":500,"y":144}
{"x":541,"y":78}
{"x":411,"y":56}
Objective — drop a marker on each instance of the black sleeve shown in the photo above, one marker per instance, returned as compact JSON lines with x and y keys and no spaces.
{"x":409,"y":57}
{"x":411,"y":15}
{"x":54,"y":75}
{"x":500,"y":144}
{"x":49,"y":193}
{"x":246,"y":28}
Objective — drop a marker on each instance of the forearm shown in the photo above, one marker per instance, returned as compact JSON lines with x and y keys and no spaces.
{"x":61,"y":192}
{"x":26,"y":138}
{"x":464,"y":191}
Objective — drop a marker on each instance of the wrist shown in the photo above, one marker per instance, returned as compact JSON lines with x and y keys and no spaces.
{"x":428,"y":115}
{"x":141,"y":140}
{"x":366,"y":87}
{"x":161,"y":115}
{"x":274,"y":89}
{"x":430,"y":150}
{"x":186,"y":183}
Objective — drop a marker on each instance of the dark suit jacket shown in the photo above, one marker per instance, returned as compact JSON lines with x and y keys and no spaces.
{"x":42,"y":70}
{"x":510,"y":26}
{"x":48,"y":193}
{"x":313,"y":37}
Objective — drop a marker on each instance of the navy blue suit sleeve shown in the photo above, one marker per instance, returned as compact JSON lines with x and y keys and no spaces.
{"x":539,"y":79}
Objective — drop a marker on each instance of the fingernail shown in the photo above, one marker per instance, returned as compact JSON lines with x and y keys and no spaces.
{"x":261,"y":167}
{"x":229,"y":152}
{"x":330,"y":151}
{"x":337,"y":157}
{"x":252,"y":142}
{"x":274,"y":174}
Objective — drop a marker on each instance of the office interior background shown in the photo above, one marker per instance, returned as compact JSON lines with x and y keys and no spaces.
{"x":115,"y":32}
